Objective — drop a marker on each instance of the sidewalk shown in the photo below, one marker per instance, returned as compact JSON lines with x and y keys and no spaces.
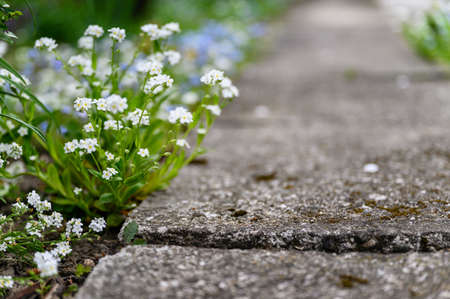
{"x":288,"y":168}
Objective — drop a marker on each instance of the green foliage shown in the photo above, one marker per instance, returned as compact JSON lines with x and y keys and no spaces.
{"x":430,"y":37}
{"x":129,"y":231}
{"x":81,"y":270}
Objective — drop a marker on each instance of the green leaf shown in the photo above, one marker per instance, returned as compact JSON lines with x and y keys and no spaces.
{"x":114,"y":220}
{"x":130,"y":231}
{"x":27,"y":92}
{"x":64,"y":202}
{"x":132,"y":190}
{"x":95,"y":173}
{"x":10,"y":69}
{"x":29,"y":126}
{"x":53,"y":179}
{"x":81,"y":270}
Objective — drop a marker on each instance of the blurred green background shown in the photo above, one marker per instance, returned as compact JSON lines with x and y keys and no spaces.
{"x":65,"y":20}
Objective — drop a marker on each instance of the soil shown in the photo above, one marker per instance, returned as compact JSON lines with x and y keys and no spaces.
{"x":84,"y":252}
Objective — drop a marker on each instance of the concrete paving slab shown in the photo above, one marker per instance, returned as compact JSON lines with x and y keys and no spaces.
{"x":186,"y":272}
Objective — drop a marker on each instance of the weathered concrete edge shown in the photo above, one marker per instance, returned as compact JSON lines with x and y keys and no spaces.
{"x":382,"y":238}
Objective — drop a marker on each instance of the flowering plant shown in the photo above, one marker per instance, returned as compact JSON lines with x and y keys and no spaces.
{"x":127,"y":137}
{"x":37,"y":235}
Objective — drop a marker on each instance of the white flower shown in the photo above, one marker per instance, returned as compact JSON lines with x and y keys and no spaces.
{"x":117,"y":34}
{"x":201,"y":131}
{"x":230,"y":92}
{"x":97,"y":224}
{"x":143,"y":152}
{"x":43,"y":206}
{"x":2,"y":162}
{"x":79,"y":60}
{"x":13,"y":150}
{"x":88,"y":128}
{"x":139,"y":117}
{"x":86,"y":42}
{"x":153,"y":67}
{"x":108,"y":173}
{"x":152,"y":30}
{"x":71,"y":146}
{"x":6,"y":282}
{"x":33,"y":228}
{"x":33,"y":198}
{"x":82,"y":104}
{"x":371,"y":168}
{"x":180,"y":114}
{"x":113,"y":125}
{"x":74,"y":226}
{"x":215,"y":109}
{"x":109,"y":156}
{"x":88,"y":144}
{"x":3,"y":248}
{"x":23,"y":131}
{"x":45,"y":43}
{"x":228,"y":89}
{"x":19,"y":208}
{"x":77,"y":190}
{"x":94,"y":30}
{"x":156,"y":84}
{"x":55,"y":219}
{"x":46,"y":263}
{"x":173,"y":27}
{"x":212,"y":77}
{"x":62,"y":249}
{"x":116,"y":103}
{"x":10,"y":124}
{"x":173,"y":57}
{"x":183,"y":143}
{"x":101,"y":104}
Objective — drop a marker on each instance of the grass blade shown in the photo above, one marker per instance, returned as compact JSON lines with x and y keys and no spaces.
{"x":31,"y":127}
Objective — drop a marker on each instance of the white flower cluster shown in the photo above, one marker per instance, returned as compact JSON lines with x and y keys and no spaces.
{"x":108,"y":173}
{"x":115,"y":125}
{"x":214,"y":77}
{"x":94,"y":31}
{"x":97,"y":224}
{"x":6,"y":282}
{"x":113,"y":103}
{"x":156,"y":84}
{"x":74,"y":226}
{"x":117,"y":34}
{"x":12,"y":77}
{"x":151,"y":66}
{"x":34,"y":200}
{"x":19,"y":208}
{"x":155,"y":33}
{"x":62,"y":249}
{"x":46,"y":43}
{"x":86,"y":42}
{"x":47,"y":263}
{"x":12,"y":150}
{"x":88,"y":145}
{"x":34,"y":228}
{"x":83,"y":63}
{"x":138,"y":117}
{"x":180,"y":114}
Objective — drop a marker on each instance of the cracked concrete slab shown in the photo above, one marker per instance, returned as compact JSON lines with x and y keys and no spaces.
{"x":186,"y":272}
